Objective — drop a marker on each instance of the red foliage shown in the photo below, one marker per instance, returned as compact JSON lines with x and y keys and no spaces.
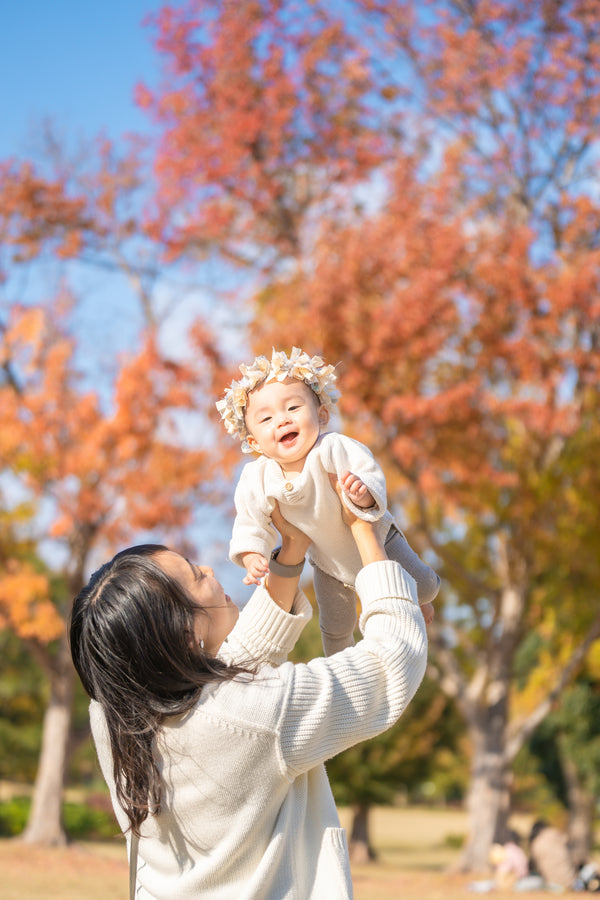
{"x":265,"y":110}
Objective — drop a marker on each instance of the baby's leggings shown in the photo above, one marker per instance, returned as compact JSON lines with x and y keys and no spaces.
{"x":337,"y":601}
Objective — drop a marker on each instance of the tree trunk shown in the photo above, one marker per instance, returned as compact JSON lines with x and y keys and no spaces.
{"x":360,"y":848}
{"x":581,"y":813}
{"x":487,"y":713}
{"x":45,"y":819}
{"x":489,"y":792}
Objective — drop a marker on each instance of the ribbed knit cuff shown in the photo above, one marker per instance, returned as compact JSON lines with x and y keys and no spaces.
{"x":266,"y":633}
{"x":379,"y":580}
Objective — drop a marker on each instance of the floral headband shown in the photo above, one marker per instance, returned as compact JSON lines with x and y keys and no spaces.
{"x":312,"y":370}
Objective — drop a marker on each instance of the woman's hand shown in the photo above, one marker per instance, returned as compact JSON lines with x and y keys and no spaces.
{"x":369,"y":543}
{"x":348,"y":517}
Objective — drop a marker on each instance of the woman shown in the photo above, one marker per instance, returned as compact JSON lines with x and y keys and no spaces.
{"x":212,"y":745}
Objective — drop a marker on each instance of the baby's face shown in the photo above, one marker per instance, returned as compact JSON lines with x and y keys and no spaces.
{"x":284,"y":420}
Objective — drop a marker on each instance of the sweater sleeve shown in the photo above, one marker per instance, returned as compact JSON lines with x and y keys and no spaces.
{"x":347,"y":455}
{"x":103,"y":750}
{"x":265,"y":633}
{"x":253,"y":531}
{"x":335,"y":702}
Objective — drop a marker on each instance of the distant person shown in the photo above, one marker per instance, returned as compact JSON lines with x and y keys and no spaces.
{"x":279,"y":409}
{"x":211,"y":743}
{"x":588,"y":876}
{"x":510,"y":862}
{"x":550,"y":857}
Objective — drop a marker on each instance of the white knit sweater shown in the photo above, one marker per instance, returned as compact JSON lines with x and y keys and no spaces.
{"x":310,"y":503}
{"x":247,"y":810}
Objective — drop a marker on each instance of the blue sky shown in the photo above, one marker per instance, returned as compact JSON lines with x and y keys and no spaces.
{"x":75,"y":62}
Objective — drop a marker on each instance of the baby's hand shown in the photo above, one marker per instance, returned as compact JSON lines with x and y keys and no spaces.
{"x":256,"y":567}
{"x":357,"y":490}
{"x":428,"y":612}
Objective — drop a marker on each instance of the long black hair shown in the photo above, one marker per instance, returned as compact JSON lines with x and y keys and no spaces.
{"x":131,"y":632}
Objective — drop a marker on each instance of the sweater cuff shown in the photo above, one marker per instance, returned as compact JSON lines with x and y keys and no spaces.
{"x":249,"y":545}
{"x":264,"y":632}
{"x":379,"y":580}
{"x":371,"y":514}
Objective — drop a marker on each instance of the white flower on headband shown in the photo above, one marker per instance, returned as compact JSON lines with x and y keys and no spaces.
{"x":312,"y":370}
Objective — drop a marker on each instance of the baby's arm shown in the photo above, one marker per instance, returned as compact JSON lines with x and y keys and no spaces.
{"x":356,"y":490}
{"x":363,"y":493}
{"x":256,"y":567}
{"x":253,"y":535}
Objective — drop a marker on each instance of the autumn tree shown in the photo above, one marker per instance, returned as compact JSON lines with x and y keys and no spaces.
{"x":98,"y":470}
{"x":476,"y":403}
{"x":100,"y":439}
{"x":412,"y":187}
{"x":21,"y":680}
{"x":265,"y":116}
{"x":466,"y":340}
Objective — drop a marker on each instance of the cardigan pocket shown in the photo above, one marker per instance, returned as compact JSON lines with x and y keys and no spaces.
{"x":332,"y":875}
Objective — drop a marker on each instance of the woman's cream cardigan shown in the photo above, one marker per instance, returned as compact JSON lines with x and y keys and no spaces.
{"x":247,"y":811}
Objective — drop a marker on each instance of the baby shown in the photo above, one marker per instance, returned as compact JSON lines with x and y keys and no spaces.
{"x":279,"y":409}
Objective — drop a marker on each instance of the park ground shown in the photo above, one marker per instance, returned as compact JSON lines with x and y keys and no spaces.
{"x":418,"y":850}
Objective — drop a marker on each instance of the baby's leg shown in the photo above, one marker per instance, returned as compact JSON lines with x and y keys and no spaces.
{"x":398,"y":549}
{"x":337,"y":612}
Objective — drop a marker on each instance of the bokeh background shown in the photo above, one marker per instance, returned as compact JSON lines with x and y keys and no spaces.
{"x":410,"y":191}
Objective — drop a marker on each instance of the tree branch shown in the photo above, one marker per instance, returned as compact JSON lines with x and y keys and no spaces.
{"x":521,"y":731}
